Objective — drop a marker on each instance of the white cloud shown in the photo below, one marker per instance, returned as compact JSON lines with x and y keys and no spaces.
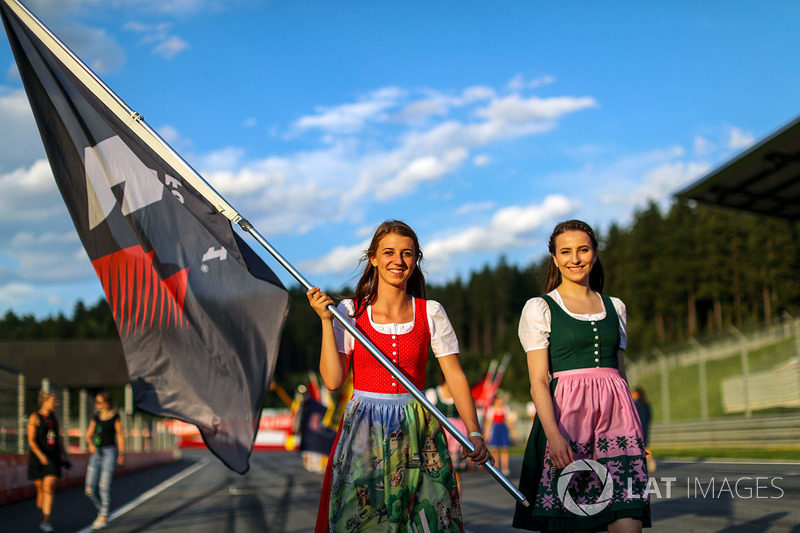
{"x":440,"y":104}
{"x":430,"y":154}
{"x":12,"y":74}
{"x":221,"y":160}
{"x":481,"y":160}
{"x":174,"y":7}
{"x":474,"y":207}
{"x":15,"y":294}
{"x":49,"y":256}
{"x":514,"y":109}
{"x":475,"y":94}
{"x":426,"y":168}
{"x":30,"y":195}
{"x":19,"y":138}
{"x":159,"y":37}
{"x":660,"y":183}
{"x":297,"y":192}
{"x":510,"y":227}
{"x":171,"y":47}
{"x":518,"y":82}
{"x":615,"y":188}
{"x":300,"y":191}
{"x":740,"y":140}
{"x":169,"y":134}
{"x":703,"y":146}
{"x":422,"y":109}
{"x":96,"y":47}
{"x":350,"y":118}
{"x":340,"y":259}
{"x":293,"y":194}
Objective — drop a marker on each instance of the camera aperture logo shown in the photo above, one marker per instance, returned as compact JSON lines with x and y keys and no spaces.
{"x":585,"y":509}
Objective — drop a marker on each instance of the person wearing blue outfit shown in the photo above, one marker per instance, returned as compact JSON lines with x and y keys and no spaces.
{"x":107,"y":448}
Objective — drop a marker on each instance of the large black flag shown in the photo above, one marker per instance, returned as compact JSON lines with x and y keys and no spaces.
{"x":198,"y":312}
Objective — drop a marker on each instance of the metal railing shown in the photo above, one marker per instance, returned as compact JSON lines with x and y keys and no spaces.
{"x":767,"y":433}
{"x":12,"y":410}
{"x":142,"y":433}
{"x":689,"y":372}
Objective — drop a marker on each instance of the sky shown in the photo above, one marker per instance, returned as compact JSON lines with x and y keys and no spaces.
{"x":482,"y":124}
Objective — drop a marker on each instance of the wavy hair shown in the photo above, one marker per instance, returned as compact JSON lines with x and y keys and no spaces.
{"x":367,"y":288}
{"x":597,"y":276}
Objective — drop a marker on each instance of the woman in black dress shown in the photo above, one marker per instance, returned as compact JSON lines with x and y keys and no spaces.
{"x":47,"y":455}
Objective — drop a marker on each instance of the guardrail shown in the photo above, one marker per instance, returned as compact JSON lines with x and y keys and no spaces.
{"x":12,"y":410}
{"x":757,"y":432}
{"x":142,"y":434}
{"x":148,"y":441}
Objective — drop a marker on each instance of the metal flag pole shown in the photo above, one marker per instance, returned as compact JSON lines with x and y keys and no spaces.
{"x":153,"y":140}
{"x":384,"y":361}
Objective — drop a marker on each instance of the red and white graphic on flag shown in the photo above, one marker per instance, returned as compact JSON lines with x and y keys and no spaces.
{"x":139,"y":298}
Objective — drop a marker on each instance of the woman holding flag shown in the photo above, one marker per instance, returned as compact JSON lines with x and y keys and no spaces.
{"x":390,"y":468}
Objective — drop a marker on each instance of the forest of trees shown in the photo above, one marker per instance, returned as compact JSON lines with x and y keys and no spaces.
{"x":690,"y":271}
{"x":94,"y":322}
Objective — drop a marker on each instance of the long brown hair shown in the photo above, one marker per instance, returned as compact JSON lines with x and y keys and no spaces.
{"x":367,"y":288}
{"x":597,"y":276}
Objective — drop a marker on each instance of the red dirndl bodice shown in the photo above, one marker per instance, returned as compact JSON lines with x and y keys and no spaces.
{"x":408,"y":352}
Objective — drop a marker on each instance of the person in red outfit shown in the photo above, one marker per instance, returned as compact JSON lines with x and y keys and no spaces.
{"x":390,"y":469}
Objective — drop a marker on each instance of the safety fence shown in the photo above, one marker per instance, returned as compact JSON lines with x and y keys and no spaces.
{"x":148,"y":441}
{"x":18,"y":399}
{"x":12,"y":410}
{"x":774,"y":433}
{"x":742,"y":374}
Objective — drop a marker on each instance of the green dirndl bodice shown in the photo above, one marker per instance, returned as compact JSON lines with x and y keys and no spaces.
{"x":585,"y":349}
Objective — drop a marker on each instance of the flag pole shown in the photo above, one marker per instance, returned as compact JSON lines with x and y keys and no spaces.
{"x":138,"y":126}
{"x":384,"y":361}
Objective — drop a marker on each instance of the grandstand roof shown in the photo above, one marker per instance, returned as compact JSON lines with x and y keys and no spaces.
{"x":68,"y":363}
{"x":765,"y":179}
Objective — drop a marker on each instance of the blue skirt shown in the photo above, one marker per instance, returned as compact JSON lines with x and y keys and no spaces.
{"x":500,"y":436}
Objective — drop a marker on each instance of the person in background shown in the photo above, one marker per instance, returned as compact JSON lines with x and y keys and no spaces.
{"x":47,"y":455}
{"x":643,"y":408}
{"x":107,"y":449}
{"x":441,"y":398}
{"x":499,"y":423}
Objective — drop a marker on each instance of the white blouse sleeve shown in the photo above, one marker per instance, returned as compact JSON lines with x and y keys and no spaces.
{"x":534,"y":325}
{"x":431,"y":395}
{"x":344,"y":341}
{"x":443,"y":338}
{"x":622,"y":313}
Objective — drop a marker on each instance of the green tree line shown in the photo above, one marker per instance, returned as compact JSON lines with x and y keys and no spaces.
{"x":689,"y":271}
{"x":95,"y":322}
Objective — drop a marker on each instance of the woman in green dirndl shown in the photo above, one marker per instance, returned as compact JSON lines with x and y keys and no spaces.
{"x":585,"y":464}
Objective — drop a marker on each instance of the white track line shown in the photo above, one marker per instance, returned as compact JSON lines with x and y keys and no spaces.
{"x":161,"y":487}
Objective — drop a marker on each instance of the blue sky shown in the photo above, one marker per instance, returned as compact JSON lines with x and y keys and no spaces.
{"x":482,"y":124}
